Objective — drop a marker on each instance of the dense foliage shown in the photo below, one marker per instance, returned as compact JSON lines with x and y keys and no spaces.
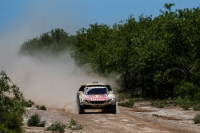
{"x":154,"y":57}
{"x":55,"y":41}
{"x":12,"y":106}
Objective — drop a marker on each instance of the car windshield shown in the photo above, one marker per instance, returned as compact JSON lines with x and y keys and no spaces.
{"x":102,"y":90}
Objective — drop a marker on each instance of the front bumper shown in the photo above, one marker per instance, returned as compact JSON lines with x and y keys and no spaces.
{"x":97,"y":106}
{"x":98,"y":103}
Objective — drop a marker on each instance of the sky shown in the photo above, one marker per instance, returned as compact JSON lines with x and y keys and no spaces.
{"x":72,"y":15}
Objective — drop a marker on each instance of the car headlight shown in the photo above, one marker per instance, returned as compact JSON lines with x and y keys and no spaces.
{"x":82,"y":100}
{"x":111,"y":100}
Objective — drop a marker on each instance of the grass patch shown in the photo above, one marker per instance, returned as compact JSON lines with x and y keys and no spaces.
{"x":158,"y":104}
{"x":60,"y":127}
{"x":122,"y":96}
{"x":73,"y":125}
{"x":128,"y":103}
{"x":57,"y":127}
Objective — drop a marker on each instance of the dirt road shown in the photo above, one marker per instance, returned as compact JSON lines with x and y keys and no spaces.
{"x":142,"y":118}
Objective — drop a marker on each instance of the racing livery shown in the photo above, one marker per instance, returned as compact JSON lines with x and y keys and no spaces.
{"x":96,"y":96}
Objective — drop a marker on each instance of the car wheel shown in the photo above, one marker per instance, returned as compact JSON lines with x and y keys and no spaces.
{"x":113,"y":109}
{"x":80,"y":109}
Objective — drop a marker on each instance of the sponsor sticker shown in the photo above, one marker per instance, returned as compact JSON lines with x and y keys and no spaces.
{"x":97,"y":99}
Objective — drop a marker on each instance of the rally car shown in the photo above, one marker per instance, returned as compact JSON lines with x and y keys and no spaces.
{"x":96,"y":96}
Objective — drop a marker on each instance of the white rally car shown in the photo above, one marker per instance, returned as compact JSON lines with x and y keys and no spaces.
{"x":96,"y":96}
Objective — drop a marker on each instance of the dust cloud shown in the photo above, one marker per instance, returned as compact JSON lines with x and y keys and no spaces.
{"x":49,"y":81}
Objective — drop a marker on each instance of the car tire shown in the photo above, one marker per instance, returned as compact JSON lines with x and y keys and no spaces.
{"x":80,"y":109}
{"x":113,"y":109}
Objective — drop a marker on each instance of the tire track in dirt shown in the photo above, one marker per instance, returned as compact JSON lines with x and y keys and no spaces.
{"x":127,"y":120}
{"x":96,"y":122}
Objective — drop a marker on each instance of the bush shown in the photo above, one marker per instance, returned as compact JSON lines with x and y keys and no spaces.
{"x":42,"y":124}
{"x":158,"y":104}
{"x":74,"y":125}
{"x":42,"y":107}
{"x":119,"y":90}
{"x":128,"y":103}
{"x":31,"y":102}
{"x":57,"y":126}
{"x":11,"y":123}
{"x":197,"y":107}
{"x":35,"y":120}
{"x":197,"y":97}
{"x":170,"y":101}
{"x":28,"y":103}
{"x":122,"y":96}
{"x":184,"y":103}
{"x":3,"y":129}
{"x":186,"y":89}
{"x":197,"y":119}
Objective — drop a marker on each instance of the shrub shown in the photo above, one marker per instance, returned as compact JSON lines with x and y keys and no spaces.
{"x":197,"y":119}
{"x":186,"y":89}
{"x":74,"y":125}
{"x":184,"y":103}
{"x":35,"y":120}
{"x":128,"y":103}
{"x":170,"y":101}
{"x":3,"y":129}
{"x":11,"y":122}
{"x":57,"y":126}
{"x":197,"y":97}
{"x":31,"y":102}
{"x":28,"y":103}
{"x":158,"y":104}
{"x":42,"y":124}
{"x":119,"y":90}
{"x":42,"y":107}
{"x":122,"y":96}
{"x":197,"y":107}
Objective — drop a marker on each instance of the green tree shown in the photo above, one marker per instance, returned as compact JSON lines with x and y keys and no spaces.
{"x":52,"y":42}
{"x":151,"y":56}
{"x":11,"y":105}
